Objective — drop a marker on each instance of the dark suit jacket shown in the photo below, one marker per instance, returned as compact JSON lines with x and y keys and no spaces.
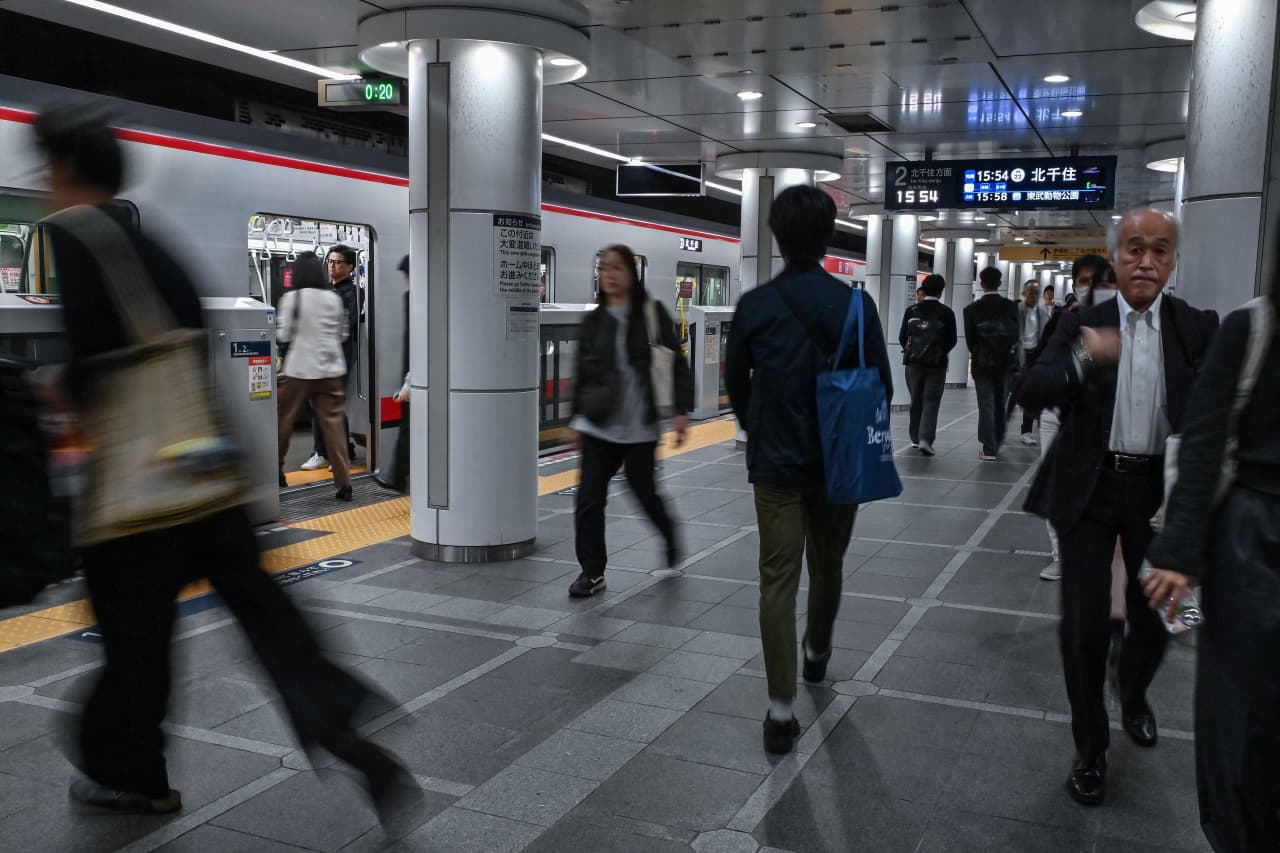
{"x":1087,"y":406}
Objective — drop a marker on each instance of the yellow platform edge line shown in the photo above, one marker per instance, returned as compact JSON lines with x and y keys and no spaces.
{"x":346,"y":531}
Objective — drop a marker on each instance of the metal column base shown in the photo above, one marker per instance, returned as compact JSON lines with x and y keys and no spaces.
{"x":472,"y":553}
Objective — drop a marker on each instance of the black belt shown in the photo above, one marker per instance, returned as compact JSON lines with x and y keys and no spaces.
{"x":1129,"y":463}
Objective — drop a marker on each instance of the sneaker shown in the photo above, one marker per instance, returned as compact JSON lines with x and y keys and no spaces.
{"x":986,"y":457}
{"x":915,"y":445}
{"x":780,"y":735}
{"x":1029,"y":439}
{"x":585,"y":587}
{"x":90,"y":793}
{"x":1051,"y":572}
{"x":926,"y":448}
{"x":315,"y":463}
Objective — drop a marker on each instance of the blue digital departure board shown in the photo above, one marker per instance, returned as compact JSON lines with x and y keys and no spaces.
{"x":1060,"y":183}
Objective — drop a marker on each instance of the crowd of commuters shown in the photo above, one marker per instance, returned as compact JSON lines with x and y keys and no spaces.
{"x":1120,"y":371}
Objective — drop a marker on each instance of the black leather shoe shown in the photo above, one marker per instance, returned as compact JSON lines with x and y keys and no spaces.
{"x":815,"y":671}
{"x":1141,"y":727}
{"x":90,"y":793}
{"x":1087,"y":783}
{"x":344,"y":494}
{"x":780,"y":735}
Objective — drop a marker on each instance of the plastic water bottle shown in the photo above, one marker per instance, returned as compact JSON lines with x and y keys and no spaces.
{"x":1186,"y":616}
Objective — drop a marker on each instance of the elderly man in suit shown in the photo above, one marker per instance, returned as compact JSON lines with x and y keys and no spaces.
{"x":1120,"y":373}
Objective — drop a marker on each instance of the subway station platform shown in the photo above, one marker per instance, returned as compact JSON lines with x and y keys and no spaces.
{"x":632,"y":721}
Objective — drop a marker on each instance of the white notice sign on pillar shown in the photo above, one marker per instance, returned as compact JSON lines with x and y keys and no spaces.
{"x":517,"y":259}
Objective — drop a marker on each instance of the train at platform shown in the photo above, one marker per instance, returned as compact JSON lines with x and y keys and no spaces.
{"x":239,"y":204}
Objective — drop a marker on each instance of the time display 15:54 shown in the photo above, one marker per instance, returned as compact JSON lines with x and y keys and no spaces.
{"x":918,"y":196}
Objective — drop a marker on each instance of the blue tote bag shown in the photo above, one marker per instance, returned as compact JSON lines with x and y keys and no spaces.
{"x":853,"y":419}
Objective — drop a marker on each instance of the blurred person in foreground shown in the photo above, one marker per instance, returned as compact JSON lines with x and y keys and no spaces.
{"x":133,"y":580}
{"x":1120,"y":373}
{"x":312,"y":320}
{"x":616,"y":418}
{"x":1229,"y":545}
{"x":784,"y":334}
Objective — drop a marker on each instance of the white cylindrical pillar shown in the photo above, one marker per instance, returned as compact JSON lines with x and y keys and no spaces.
{"x":893,"y":250}
{"x":961,"y":287}
{"x":1228,"y":197}
{"x":475,"y":111}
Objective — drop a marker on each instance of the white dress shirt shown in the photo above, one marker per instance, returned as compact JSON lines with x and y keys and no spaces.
{"x":1140,"y":423}
{"x":315,"y":340}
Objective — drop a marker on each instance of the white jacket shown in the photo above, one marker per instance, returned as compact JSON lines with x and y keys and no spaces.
{"x":315,"y":345}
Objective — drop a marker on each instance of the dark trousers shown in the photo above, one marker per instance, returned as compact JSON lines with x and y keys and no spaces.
{"x":600,"y":461}
{"x":992,"y":388}
{"x":796,"y":523}
{"x":1238,"y":681}
{"x":133,"y":583}
{"x":1121,"y":505}
{"x":926,"y":385}
{"x":400,"y":476}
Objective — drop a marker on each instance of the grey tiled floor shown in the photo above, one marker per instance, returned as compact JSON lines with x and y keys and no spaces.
{"x":631,"y":721}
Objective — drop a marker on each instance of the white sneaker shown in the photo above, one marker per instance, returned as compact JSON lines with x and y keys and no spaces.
{"x":1051,"y":572}
{"x":1029,"y":439}
{"x":315,"y":463}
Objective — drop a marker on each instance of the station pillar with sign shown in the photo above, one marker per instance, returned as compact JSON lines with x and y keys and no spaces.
{"x":893,"y":251}
{"x":475,"y":79}
{"x":953,"y":259}
{"x":763,"y":176}
{"x":1230,"y":205}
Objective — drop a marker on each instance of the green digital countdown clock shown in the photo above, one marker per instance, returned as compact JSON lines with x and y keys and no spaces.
{"x":365,"y":93}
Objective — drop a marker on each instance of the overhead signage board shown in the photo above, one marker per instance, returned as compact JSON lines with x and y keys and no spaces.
{"x":1049,"y":253}
{"x":1059,"y":183}
{"x":660,"y":179}
{"x":369,"y":93}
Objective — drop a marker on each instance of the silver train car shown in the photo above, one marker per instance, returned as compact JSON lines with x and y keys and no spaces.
{"x":237,"y":204}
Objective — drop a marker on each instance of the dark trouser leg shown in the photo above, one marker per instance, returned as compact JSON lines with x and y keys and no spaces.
{"x":1237,"y":681}
{"x":1003,"y":382}
{"x":1085,"y":630}
{"x":780,"y":514}
{"x":599,"y":462}
{"x":291,"y":395}
{"x":132,"y":583}
{"x":317,"y":434}
{"x":328,"y":401}
{"x":827,"y":532}
{"x":321,"y":698}
{"x":915,"y":387}
{"x":990,"y":410}
{"x":639,"y":462}
{"x":400,"y":478}
{"x":1145,"y":641}
{"x":931,"y":387}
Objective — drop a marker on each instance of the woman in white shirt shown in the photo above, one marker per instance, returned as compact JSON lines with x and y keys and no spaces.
{"x":311,"y":324}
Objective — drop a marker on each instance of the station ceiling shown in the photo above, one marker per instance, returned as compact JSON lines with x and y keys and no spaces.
{"x":948,"y":77}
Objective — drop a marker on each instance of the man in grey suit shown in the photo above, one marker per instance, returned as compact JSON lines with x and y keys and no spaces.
{"x":1033,"y":319}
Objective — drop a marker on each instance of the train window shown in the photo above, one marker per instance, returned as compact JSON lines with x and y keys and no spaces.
{"x":274,"y":241}
{"x":699,"y":284}
{"x":548,"y":274}
{"x":642,"y":267}
{"x":12,"y":248}
{"x":27,"y":264}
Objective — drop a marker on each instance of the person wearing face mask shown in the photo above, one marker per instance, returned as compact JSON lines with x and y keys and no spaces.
{"x":1120,"y":371}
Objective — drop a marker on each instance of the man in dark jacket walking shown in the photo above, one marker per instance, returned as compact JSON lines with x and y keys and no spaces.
{"x":784,"y":334}
{"x":991,"y":331}
{"x":927,"y":337}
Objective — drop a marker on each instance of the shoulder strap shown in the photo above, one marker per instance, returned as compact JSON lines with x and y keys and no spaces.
{"x":855,"y":310}
{"x":143,"y":314}
{"x":1261,"y":321}
{"x":651,"y":322}
{"x":811,"y":328}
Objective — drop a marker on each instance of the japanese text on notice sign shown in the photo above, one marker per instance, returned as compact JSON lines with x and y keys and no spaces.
{"x":517,"y":254}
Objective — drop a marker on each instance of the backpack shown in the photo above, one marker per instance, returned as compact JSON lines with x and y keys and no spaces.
{"x":997,"y":337}
{"x":922,"y":340}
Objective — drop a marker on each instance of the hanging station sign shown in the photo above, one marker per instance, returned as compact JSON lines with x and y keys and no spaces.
{"x":1060,"y":183}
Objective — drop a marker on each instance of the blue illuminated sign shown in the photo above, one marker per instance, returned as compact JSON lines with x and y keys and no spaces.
{"x":1066,"y":183}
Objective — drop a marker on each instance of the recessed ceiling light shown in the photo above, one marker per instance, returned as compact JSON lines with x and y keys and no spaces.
{"x":1057,"y":78}
{"x":1072,"y":113}
{"x":390,"y":44}
{"x":805,"y":125}
{"x":563,"y":62}
{"x":979,"y":218}
{"x":750,"y":95}
{"x":1175,"y":19}
{"x":1167,"y":164}
{"x":1116,"y":216}
{"x":980,"y":240}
